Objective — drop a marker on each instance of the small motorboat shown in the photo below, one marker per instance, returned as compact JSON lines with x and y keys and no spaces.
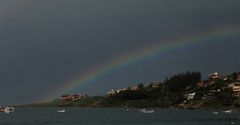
{"x":228,"y":111}
{"x":8,"y":109}
{"x":215,"y":113}
{"x":146,"y":111}
{"x":61,"y":110}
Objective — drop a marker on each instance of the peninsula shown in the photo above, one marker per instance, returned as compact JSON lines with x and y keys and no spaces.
{"x":184,"y":90}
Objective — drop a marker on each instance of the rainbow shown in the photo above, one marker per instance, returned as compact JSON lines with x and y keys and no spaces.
{"x":136,"y":55}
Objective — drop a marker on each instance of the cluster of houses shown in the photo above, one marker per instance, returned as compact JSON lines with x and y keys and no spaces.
{"x":227,"y":83}
{"x":230,"y":83}
{"x":112,"y":92}
{"x":134,"y":88}
{"x":74,"y":97}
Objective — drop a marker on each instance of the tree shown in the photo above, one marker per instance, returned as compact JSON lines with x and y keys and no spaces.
{"x":140,"y":86}
{"x":234,"y":75}
{"x":179,"y":82}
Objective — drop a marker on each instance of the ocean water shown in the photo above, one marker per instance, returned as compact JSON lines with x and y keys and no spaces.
{"x":115,"y":116}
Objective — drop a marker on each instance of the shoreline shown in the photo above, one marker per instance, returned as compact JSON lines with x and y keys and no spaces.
{"x":176,"y":107}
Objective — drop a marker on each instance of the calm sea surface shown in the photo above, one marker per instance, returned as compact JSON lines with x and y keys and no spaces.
{"x":108,"y":116}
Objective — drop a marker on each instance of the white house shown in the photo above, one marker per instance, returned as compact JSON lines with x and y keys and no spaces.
{"x":191,"y":96}
{"x":214,"y":75}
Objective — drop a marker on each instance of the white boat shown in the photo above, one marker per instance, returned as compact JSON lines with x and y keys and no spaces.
{"x":8,"y":109}
{"x":215,"y":113}
{"x":61,"y":110}
{"x":228,"y":111}
{"x":146,"y":111}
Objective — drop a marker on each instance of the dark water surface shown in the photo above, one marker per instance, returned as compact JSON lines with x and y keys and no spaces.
{"x":111,"y":116}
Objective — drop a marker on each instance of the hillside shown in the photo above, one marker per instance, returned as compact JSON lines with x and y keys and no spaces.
{"x":184,"y":90}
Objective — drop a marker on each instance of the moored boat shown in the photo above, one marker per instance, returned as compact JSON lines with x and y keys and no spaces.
{"x":146,"y":111}
{"x":228,"y":111}
{"x":215,"y":113}
{"x":7,"y":109}
{"x":61,"y":110}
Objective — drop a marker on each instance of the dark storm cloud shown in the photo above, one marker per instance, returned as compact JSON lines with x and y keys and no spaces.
{"x":44,"y":43}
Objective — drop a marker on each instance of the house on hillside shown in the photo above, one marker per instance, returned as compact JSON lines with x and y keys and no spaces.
{"x":121,"y":90}
{"x":235,"y":88}
{"x":65,"y":98}
{"x":134,"y":88}
{"x":78,"y":96}
{"x":211,"y":78}
{"x":214,"y":75}
{"x":238,"y":78}
{"x":152,"y":85}
{"x":191,"y":96}
{"x":74,"y":97}
{"x":211,"y":94}
{"x":200,"y":84}
{"x":112,"y":92}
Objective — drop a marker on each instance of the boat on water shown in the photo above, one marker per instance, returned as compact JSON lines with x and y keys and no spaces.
{"x":228,"y":111}
{"x":61,"y":110}
{"x":7,"y":109}
{"x":146,"y":111}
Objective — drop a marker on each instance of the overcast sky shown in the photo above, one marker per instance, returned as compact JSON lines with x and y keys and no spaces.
{"x":44,"y":43}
